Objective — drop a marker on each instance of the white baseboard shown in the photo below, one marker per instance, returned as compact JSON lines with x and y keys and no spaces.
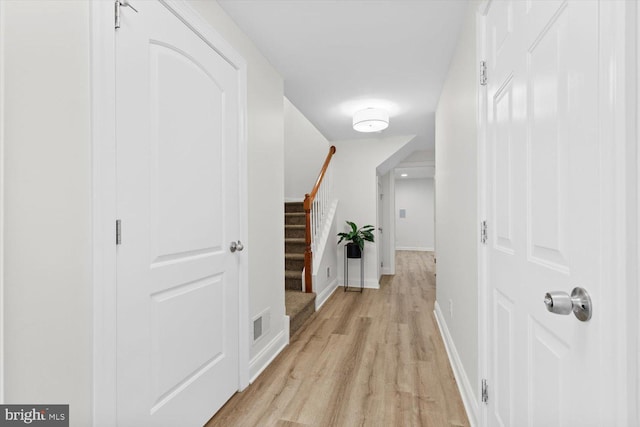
{"x":385,"y":271}
{"x":264,"y":358}
{"x":355,"y":283}
{"x":323,"y":296}
{"x":415,"y":248}
{"x":464,"y":386}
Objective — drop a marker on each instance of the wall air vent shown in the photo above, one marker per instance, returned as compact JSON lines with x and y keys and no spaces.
{"x":261,"y":324}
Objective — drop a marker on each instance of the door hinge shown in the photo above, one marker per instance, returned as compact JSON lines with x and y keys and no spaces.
{"x":485,"y":391}
{"x":117,"y":6}
{"x":483,"y":73}
{"x":118,"y":232}
{"x":483,"y":232}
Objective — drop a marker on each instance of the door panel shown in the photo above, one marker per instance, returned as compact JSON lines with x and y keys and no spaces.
{"x":547,"y":133}
{"x":544,"y":213}
{"x":504,"y":312}
{"x":187,"y":214}
{"x":503,"y":172}
{"x":177,"y":282}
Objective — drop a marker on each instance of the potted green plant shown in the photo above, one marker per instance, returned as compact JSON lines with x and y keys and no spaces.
{"x":355,"y":238}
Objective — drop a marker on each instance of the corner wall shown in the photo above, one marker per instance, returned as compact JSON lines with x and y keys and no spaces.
{"x":355,"y":183}
{"x":456,"y":208}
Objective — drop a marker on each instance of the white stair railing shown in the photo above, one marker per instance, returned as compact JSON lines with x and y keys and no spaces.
{"x":316,"y":206}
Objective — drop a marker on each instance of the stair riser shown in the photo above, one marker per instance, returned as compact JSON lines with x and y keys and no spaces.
{"x":293,"y":207}
{"x":294,"y":264}
{"x":293,"y":284}
{"x":298,"y":320}
{"x":294,"y":248}
{"x":291,"y":233}
{"x":294,"y":219}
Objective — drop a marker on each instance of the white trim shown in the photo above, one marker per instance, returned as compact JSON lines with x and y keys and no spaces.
{"x":355,"y":283}
{"x":634,"y":417}
{"x":2,"y":160}
{"x":481,"y":109}
{"x":102,"y":46}
{"x":616,"y":186}
{"x":267,"y":355}
{"x":102,"y":58}
{"x":293,"y":199}
{"x":323,"y":296}
{"x":462,"y":381}
{"x":391,"y":214}
{"x":415,"y":248}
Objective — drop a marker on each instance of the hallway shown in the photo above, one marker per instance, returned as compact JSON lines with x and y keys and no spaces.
{"x":370,"y":359}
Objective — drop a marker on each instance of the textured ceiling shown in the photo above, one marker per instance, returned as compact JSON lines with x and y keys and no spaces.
{"x":338,"y":56}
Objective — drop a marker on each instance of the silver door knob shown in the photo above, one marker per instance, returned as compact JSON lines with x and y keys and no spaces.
{"x":236,"y":246}
{"x":578,"y":302}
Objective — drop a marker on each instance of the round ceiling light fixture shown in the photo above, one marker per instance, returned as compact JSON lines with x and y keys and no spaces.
{"x":371,"y":120}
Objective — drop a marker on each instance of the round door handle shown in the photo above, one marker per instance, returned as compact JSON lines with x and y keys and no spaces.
{"x":578,"y":303}
{"x":233,"y":246}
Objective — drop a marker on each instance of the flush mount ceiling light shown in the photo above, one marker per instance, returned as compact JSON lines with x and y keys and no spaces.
{"x":371,"y":120}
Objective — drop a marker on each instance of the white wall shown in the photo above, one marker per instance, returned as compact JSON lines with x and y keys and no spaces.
{"x":47,"y":178}
{"x":388,"y":225}
{"x":415,"y":232}
{"x":456,"y":202}
{"x":356,"y":187}
{"x":325,"y":263}
{"x":305,"y":150}
{"x":47,"y":175}
{"x":265,"y":182}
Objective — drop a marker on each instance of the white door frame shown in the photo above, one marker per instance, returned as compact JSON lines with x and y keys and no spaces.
{"x":103,"y":118}
{"x":620,"y":51}
{"x":483,"y":292}
{"x":2,"y":171}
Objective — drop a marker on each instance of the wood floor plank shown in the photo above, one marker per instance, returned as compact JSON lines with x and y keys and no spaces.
{"x":370,"y":359}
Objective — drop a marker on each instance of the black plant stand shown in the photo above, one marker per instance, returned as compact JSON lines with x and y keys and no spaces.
{"x":346,"y":272}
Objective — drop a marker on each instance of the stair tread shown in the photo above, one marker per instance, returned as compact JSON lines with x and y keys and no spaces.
{"x":296,"y":226}
{"x":294,"y":214}
{"x":293,"y":256}
{"x":294,"y":240}
{"x":296,"y":301}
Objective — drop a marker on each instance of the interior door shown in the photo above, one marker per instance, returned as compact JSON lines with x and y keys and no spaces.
{"x":177,"y":280}
{"x":544,"y":213}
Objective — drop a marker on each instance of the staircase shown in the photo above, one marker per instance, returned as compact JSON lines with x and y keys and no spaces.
{"x":299,"y":305}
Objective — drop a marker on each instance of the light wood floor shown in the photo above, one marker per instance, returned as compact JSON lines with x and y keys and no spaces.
{"x":370,"y":359}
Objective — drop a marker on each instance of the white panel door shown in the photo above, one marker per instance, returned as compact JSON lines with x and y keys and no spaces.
{"x":177,"y":281}
{"x":544,"y":213}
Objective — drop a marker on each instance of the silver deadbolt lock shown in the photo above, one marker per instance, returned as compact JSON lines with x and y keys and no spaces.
{"x":578,"y":302}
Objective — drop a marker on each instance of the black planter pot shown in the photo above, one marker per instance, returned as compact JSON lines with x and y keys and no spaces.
{"x":353,"y":251}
